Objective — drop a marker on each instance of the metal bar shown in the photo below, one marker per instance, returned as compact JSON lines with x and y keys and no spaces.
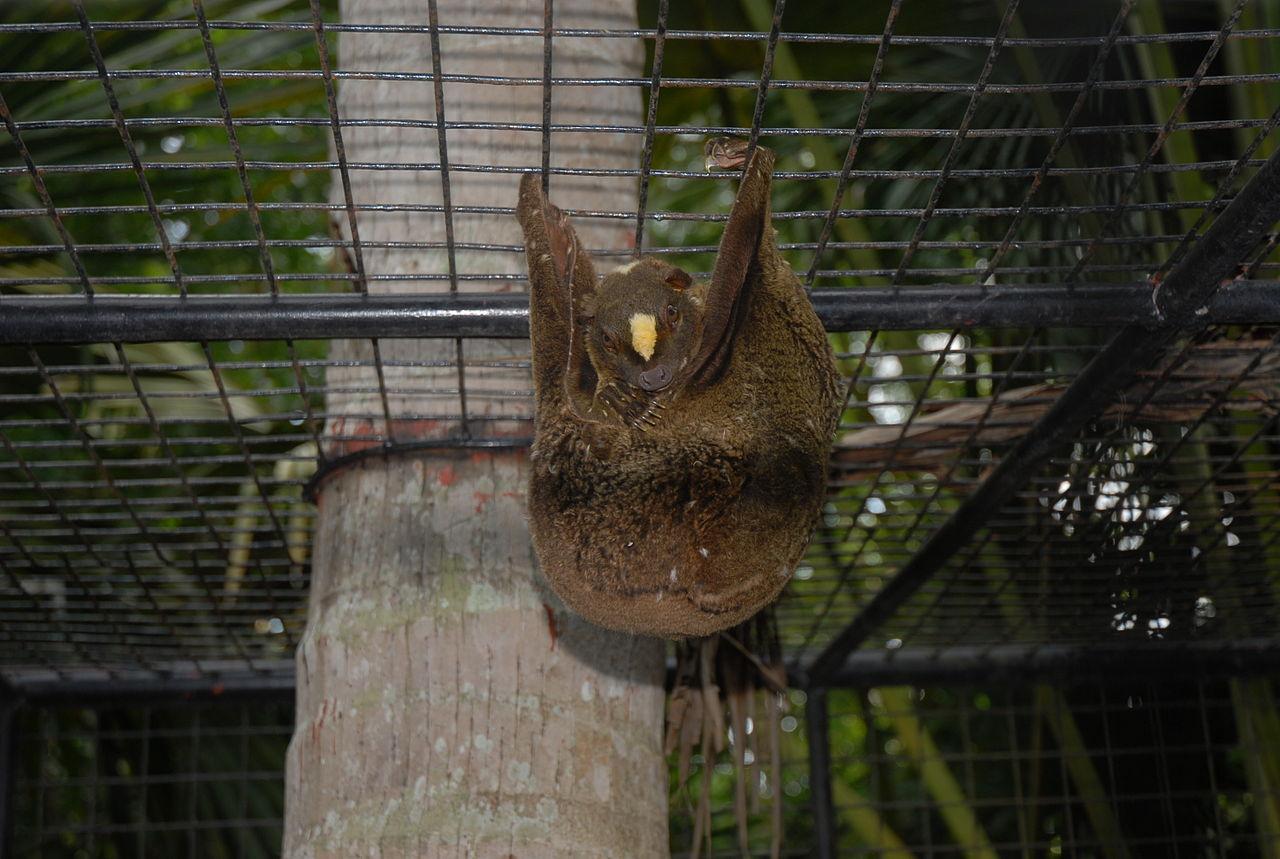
{"x":126,"y":138}
{"x":651,"y":119}
{"x":1119,"y":129}
{"x":133,"y":319}
{"x":709,"y":34}
{"x":1019,"y":663}
{"x":219,"y":687}
{"x":10,"y":701}
{"x":1070,"y":87}
{"x":446,"y":199}
{"x":855,"y":140}
{"x":957,"y":142}
{"x":819,"y":736}
{"x":548,"y":13}
{"x":766,"y":76}
{"x":42,"y":191}
{"x":1180,"y":301}
{"x":1193,"y":84}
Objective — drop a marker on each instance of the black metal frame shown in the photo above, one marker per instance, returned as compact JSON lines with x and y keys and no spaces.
{"x":819,"y":734}
{"x":105,"y":318}
{"x":10,"y":701}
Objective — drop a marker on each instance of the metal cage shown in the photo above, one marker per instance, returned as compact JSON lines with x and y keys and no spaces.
{"x":1051,"y":285}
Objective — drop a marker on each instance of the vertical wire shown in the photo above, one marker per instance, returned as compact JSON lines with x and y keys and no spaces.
{"x":650,"y":123}
{"x":437,"y":82}
{"x":126,"y":138}
{"x":1061,"y":711}
{"x":88,"y":445}
{"x":1202,"y":709}
{"x":1108,"y":751}
{"x":1096,"y":71}
{"x":42,"y":191}
{"x":268,"y":268}
{"x":145,"y":781}
{"x":130,"y":147}
{"x":245,"y":455}
{"x":1166,"y":129}
{"x":863,"y":358}
{"x":855,"y":141}
{"x":353,"y":225}
{"x":1162,"y":770}
{"x":766,"y":76}
{"x":196,"y":502}
{"x":1015,"y":765}
{"x":251,"y":205}
{"x":957,"y":141}
{"x":548,"y":13}
{"x":95,"y":770}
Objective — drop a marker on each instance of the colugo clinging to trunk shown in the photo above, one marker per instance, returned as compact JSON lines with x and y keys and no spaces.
{"x":682,"y":429}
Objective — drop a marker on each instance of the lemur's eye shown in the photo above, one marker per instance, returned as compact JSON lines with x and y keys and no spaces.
{"x":610,"y":342}
{"x":671,"y":315}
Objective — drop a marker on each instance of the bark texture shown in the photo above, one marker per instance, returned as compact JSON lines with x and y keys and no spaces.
{"x":447,"y":704}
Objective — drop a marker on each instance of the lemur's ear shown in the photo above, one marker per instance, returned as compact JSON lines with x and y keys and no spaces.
{"x":561,"y":268}
{"x":736,"y":266}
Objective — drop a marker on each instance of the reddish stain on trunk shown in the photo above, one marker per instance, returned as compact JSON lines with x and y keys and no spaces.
{"x":552,"y":627}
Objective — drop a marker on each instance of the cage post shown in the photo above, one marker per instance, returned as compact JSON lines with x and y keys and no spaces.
{"x":10,"y":701}
{"x":819,"y":736}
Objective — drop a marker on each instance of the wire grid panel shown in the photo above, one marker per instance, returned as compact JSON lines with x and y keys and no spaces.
{"x":153,"y":516}
{"x":151,"y":780}
{"x":1156,"y":524}
{"x":152,"y":491}
{"x":1081,"y":770}
{"x":1161,"y":526}
{"x":1133,"y":769}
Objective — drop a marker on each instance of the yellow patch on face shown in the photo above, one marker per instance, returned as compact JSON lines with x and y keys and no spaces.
{"x":644,"y":334}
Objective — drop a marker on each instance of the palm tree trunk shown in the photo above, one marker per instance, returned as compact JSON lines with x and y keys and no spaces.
{"x":447,"y":704}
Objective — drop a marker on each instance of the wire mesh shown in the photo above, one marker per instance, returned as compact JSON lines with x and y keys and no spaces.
{"x":152,"y":493}
{"x":1149,"y":770}
{"x":1077,"y":770}
{"x":151,"y":780}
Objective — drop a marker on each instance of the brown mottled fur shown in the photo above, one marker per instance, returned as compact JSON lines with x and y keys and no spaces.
{"x":692,"y":517}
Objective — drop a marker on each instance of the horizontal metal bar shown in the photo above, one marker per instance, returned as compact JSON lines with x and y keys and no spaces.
{"x":854,"y":39}
{"x":1007,"y":663}
{"x":138,"y":319}
{"x":82,"y":687}
{"x":905,"y":87}
{"x":702,"y":130}
{"x":1018,"y":663}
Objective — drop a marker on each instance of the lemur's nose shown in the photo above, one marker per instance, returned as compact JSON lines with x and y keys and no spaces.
{"x":655,"y":378}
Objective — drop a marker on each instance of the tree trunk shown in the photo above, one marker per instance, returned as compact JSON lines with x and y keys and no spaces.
{"x":447,"y":703}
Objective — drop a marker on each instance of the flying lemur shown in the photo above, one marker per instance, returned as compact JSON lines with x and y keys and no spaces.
{"x":682,"y":429}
